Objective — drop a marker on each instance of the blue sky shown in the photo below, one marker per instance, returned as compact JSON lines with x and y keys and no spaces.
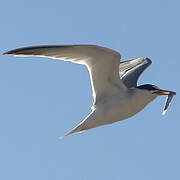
{"x":42,"y":99}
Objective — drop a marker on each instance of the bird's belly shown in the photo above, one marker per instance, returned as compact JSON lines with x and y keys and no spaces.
{"x":116,"y":110}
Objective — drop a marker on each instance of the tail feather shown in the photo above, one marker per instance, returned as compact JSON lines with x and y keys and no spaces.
{"x":77,"y":129}
{"x":84,"y":125}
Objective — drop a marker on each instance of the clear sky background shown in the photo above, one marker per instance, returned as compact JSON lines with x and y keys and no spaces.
{"x":42,"y":99}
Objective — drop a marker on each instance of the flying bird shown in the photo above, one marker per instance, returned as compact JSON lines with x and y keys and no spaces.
{"x":115,"y":98}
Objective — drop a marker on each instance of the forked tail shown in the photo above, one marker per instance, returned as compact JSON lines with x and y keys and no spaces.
{"x":84,"y":125}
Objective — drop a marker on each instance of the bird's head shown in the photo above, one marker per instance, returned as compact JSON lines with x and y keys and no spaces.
{"x":151,"y":92}
{"x":154,"y":90}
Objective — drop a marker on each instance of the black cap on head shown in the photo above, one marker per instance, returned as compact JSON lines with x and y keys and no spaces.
{"x":149,"y":87}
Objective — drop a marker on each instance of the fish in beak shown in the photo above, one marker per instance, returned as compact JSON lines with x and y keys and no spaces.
{"x":169,"y":94}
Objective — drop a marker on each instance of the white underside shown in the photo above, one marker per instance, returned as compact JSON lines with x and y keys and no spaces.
{"x":115,"y":108}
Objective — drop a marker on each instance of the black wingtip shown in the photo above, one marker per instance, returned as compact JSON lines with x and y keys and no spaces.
{"x":148,"y":60}
{"x":8,"y":53}
{"x":11,"y":52}
{"x":5,"y":53}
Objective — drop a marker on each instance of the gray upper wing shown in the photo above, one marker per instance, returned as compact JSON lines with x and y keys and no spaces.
{"x":132,"y":69}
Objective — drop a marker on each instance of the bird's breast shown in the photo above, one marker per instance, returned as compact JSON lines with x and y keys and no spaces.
{"x":120,"y":107}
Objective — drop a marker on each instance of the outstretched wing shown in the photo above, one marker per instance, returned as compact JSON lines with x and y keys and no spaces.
{"x":132,"y":69}
{"x":102,"y":63}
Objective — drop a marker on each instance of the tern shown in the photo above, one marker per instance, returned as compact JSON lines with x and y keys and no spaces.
{"x":115,"y":98}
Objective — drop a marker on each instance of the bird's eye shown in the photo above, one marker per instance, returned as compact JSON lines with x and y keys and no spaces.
{"x":154,"y":91}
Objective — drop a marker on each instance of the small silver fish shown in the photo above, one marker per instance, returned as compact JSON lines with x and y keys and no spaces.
{"x":168,"y":102}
